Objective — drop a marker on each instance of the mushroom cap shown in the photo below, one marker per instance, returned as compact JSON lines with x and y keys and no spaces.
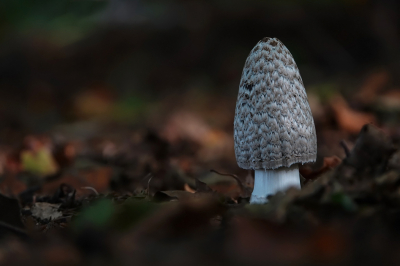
{"x":273,"y":124}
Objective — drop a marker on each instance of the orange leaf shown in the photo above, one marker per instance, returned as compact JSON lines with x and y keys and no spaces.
{"x":372,"y":86}
{"x":348,"y":119}
{"x":329,"y":164}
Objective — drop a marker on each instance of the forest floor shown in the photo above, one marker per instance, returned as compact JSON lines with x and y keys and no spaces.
{"x":91,"y":208}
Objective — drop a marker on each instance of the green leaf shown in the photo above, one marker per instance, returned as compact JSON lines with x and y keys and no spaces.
{"x":344,"y":201}
{"x":97,"y":215}
{"x":132,"y":211}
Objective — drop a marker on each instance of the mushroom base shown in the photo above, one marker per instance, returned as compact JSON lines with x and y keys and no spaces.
{"x":269,"y":182}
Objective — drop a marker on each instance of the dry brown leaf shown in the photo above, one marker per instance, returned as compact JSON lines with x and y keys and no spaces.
{"x":371,"y":87}
{"x":234,"y":190}
{"x":213,"y":143}
{"x":184,"y":125}
{"x":348,"y":119}
{"x":372,"y":150}
{"x":60,"y":254}
{"x":390,"y":99}
{"x":182,"y":218}
{"x":328,"y":244}
{"x":229,"y":190}
{"x":174,"y":195}
{"x":51,"y":187}
{"x":187,"y":188}
{"x":11,"y":186}
{"x":202,"y":187}
{"x":328,"y":164}
{"x":317,"y":109}
{"x":394,"y":161}
{"x":94,"y":102}
{"x":258,"y":240}
{"x":98,"y":179}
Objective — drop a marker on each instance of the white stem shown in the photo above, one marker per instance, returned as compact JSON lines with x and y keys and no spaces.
{"x":269,"y":182}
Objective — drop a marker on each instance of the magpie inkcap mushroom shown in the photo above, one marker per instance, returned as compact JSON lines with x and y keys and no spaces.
{"x":273,"y":128}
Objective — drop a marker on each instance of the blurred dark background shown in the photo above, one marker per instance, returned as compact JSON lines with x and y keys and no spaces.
{"x":175,"y":66}
{"x":107,"y":107}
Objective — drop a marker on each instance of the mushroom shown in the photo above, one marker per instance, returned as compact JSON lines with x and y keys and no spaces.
{"x":273,"y":129}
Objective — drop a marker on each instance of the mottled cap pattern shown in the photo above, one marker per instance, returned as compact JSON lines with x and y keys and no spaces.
{"x":273,"y":124}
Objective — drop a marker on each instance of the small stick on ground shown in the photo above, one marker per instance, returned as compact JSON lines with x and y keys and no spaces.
{"x":148,"y":185}
{"x":345,"y":148}
{"x":92,"y":189}
{"x":244,"y":191}
{"x":147,"y":176}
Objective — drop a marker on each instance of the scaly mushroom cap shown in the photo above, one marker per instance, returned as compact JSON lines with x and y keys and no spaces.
{"x":273,"y":123}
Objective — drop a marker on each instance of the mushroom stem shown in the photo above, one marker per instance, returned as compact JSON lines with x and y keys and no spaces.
{"x":271,"y":181}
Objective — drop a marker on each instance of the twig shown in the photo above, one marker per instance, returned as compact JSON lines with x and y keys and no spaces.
{"x":346,"y":148}
{"x":62,"y":217}
{"x":148,"y":186}
{"x":244,"y":190}
{"x":232,"y":175}
{"x":92,"y":189}
{"x":146,"y":176}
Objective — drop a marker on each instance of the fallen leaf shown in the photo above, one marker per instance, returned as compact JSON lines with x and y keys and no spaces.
{"x":328,"y":164}
{"x":50,"y":188}
{"x":317,"y":108}
{"x":97,"y":178}
{"x":37,"y":158}
{"x":98,"y":215}
{"x":179,"y":218}
{"x":61,"y":254}
{"x":260,"y":242}
{"x":202,"y":187}
{"x":372,"y":150}
{"x":184,"y":125}
{"x":244,"y":192}
{"x":328,"y":244}
{"x":94,"y":102}
{"x":46,"y":211}
{"x":371,"y":87}
{"x":394,"y":161}
{"x":228,"y":189}
{"x":187,"y":126}
{"x":11,"y":185}
{"x":187,"y":188}
{"x":173,"y":195}
{"x":389,"y":179}
{"x":348,"y":119}
{"x":390,"y":100}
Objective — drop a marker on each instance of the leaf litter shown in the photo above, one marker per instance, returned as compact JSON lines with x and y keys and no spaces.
{"x":92,"y":215}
